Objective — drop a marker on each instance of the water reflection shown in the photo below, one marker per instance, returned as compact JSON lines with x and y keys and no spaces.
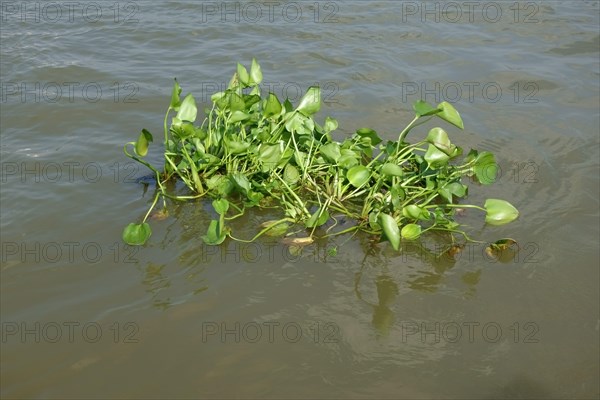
{"x":423,"y":270}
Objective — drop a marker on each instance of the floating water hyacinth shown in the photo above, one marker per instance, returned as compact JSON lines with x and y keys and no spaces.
{"x":254,"y":151}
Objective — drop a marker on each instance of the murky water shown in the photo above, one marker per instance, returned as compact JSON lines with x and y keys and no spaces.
{"x":85,"y":316}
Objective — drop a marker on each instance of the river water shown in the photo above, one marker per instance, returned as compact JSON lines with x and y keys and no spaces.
{"x":85,"y":316}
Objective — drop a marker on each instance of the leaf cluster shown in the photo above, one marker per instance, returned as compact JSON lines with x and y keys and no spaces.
{"x":254,"y":150}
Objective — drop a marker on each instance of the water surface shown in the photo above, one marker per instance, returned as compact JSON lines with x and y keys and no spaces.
{"x":85,"y":316}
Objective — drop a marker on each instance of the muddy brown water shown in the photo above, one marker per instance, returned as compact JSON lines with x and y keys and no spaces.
{"x":85,"y":316}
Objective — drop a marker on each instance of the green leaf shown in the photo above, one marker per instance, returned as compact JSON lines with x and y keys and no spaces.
{"x":347,"y":160}
{"x":499,"y":212}
{"x":358,"y":175}
{"x":310,"y":102}
{"x":141,"y":146}
{"x":439,"y":138}
{"x":215,"y":235}
{"x":411,"y":231}
{"x":287,"y":155}
{"x":436,"y":158}
{"x":238,"y":116}
{"x":318,"y":218}
{"x":182,"y":129}
{"x":450,"y":114}
{"x":445,"y":193}
{"x":221,"y":206}
{"x":485,"y":168}
{"x":272,"y":106}
{"x":187,"y":110}
{"x":295,"y":122}
{"x":287,"y":104}
{"x":423,"y":108}
{"x":256,"y":75}
{"x":391,"y":230}
{"x":331,"y":152}
{"x":374,"y":221}
{"x":278,"y":229}
{"x":241,"y":181}
{"x":234,"y":82}
{"x":243,"y":74}
{"x":391,"y":169}
{"x":220,"y":184}
{"x":269,"y":155}
{"x":330,"y":124}
{"x":371,"y":134}
{"x":236,"y":102}
{"x":291,"y":174}
{"x":252,"y":98}
{"x":413,"y":211}
{"x":175,"y":93}
{"x":136,"y":234}
{"x":457,"y":189}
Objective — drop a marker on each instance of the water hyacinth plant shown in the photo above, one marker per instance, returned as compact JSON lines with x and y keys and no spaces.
{"x":252,"y":150}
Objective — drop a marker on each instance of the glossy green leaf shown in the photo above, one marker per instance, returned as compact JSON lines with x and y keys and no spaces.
{"x":175,"y":93}
{"x":296,"y":123}
{"x":445,"y":193}
{"x":291,"y":174}
{"x":256,"y":75}
{"x":311,"y":101}
{"x":221,"y":206}
{"x":287,"y":155}
{"x":141,"y":146}
{"x":220,"y":184}
{"x":243,"y":74}
{"x":439,"y":138}
{"x":136,"y":234}
{"x":182,"y":129}
{"x":278,"y":230}
{"x":269,"y":155}
{"x":411,"y":231}
{"x":347,"y":160}
{"x":300,"y":157}
{"x":398,"y":195}
{"x":287,"y":104}
{"x":187,"y":110}
{"x":412,"y":211}
{"x":241,"y":181}
{"x":485,"y":168}
{"x":450,"y":114}
{"x":390,"y":229}
{"x":252,"y":98}
{"x":272,"y":106}
{"x":318,"y":218}
{"x":234,"y":81}
{"x":374,"y":221}
{"x":423,"y":108}
{"x":238,"y":116}
{"x":499,"y":212}
{"x":391,"y":169}
{"x":435,"y":157}
{"x":236,"y":102}
{"x":331,"y":152}
{"x":371,"y":134}
{"x":215,"y":234}
{"x":358,"y":175}
{"x":330,"y":124}
{"x":457,"y":189}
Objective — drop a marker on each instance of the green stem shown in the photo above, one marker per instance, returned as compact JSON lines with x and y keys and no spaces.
{"x":259,"y":234}
{"x":152,"y":206}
